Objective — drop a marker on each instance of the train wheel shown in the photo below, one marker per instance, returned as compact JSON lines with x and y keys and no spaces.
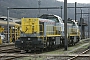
{"x":22,"y":52}
{"x":41,"y":50}
{"x":26,"y":51}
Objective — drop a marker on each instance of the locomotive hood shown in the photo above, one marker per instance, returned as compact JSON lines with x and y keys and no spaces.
{"x":46,"y":20}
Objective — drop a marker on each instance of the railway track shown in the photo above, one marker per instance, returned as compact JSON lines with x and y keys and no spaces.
{"x":15,"y":55}
{"x":46,"y":56}
{"x":12,"y":56}
{"x":8,"y":58}
{"x":83,"y":57}
{"x":7,"y":48}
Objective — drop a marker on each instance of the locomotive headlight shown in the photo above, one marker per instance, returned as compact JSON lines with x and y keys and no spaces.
{"x":29,"y":39}
{"x":21,"y":41}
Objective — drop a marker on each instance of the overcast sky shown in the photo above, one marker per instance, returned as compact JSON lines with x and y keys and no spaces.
{"x":79,"y":1}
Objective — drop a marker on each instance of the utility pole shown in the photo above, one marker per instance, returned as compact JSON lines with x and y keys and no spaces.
{"x":61,"y":11}
{"x":39,"y":3}
{"x":88,"y":23}
{"x":65,"y":24}
{"x":8,"y":24}
{"x":75,"y":10}
{"x":81,"y":24}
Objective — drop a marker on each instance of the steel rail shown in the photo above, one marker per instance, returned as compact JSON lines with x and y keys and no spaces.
{"x":78,"y":55}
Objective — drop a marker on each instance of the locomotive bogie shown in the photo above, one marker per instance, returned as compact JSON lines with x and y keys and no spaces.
{"x":27,"y":43}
